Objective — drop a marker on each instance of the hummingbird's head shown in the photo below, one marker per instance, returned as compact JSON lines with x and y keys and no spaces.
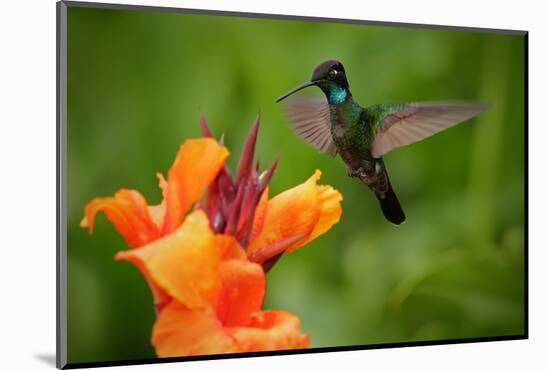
{"x":330,"y":72}
{"x":330,"y":77}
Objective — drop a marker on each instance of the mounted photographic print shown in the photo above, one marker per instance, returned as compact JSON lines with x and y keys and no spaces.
{"x":235,"y":184}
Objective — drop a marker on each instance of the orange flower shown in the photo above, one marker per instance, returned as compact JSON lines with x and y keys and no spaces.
{"x":217,"y":295}
{"x":141,"y":224}
{"x":207,"y":270}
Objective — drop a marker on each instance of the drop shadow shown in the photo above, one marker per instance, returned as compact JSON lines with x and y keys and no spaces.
{"x":47,"y":358}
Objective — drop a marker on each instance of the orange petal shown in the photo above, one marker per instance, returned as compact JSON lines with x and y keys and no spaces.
{"x":128,"y":212}
{"x":292,"y":212}
{"x":242,"y":293}
{"x":179,"y":331}
{"x":259,"y":215}
{"x":163,"y":184}
{"x":157,"y":212}
{"x":229,"y":247}
{"x":185,"y":263}
{"x":197,"y":164}
{"x":268,"y":251}
{"x":270,"y":330}
{"x":160,"y":297}
{"x":295,"y":217}
{"x":330,"y":212}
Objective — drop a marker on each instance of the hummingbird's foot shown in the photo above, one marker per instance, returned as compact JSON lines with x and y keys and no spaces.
{"x":361,"y":174}
{"x":356,"y":172}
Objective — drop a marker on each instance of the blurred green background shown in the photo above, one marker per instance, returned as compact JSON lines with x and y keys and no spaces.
{"x":136,"y":82}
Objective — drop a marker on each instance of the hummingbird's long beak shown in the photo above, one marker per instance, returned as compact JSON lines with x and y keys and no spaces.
{"x":296,"y":89}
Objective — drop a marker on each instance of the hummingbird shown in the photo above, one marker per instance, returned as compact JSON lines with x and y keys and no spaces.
{"x":337,"y":124}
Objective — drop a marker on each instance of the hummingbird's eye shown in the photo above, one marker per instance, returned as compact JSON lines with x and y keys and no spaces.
{"x":332,"y":74}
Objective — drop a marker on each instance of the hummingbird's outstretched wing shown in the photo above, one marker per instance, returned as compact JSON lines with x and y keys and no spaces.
{"x":396,"y":125}
{"x":310,"y":118}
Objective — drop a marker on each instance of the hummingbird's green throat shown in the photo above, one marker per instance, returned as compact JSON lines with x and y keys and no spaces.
{"x":361,"y":136}
{"x":336,"y":94}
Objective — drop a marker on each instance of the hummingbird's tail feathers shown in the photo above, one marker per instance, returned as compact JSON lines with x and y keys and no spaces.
{"x":391,"y":207}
